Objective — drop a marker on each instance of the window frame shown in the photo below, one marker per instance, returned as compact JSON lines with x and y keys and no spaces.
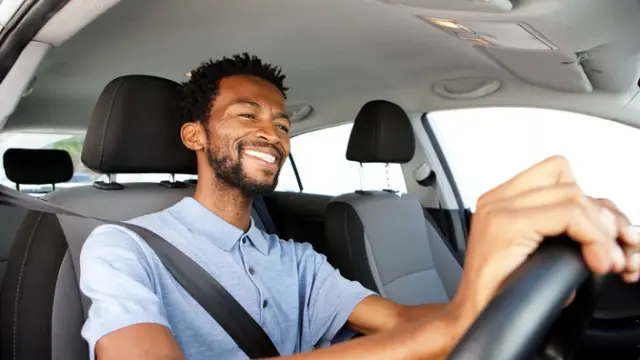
{"x":296,"y":173}
{"x":31,"y":138}
{"x":299,"y":177}
{"x":446,"y":187}
{"x":446,"y":173}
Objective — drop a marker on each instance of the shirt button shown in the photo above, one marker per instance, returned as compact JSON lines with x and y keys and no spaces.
{"x":244,"y":240}
{"x":251,"y":271}
{"x":265,"y":303}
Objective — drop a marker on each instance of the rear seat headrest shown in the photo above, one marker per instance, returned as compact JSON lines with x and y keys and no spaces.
{"x":37,"y":167}
{"x":135,"y":129}
{"x":381,"y":133}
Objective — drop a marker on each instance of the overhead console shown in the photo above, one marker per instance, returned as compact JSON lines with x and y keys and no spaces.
{"x":459,"y":5}
{"x":502,"y":34}
{"x":522,"y":50}
{"x":546,"y":43}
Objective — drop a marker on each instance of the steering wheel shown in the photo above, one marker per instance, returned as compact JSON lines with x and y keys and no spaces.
{"x":528,"y":318}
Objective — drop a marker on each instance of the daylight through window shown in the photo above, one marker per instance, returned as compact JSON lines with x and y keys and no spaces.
{"x":485,"y":147}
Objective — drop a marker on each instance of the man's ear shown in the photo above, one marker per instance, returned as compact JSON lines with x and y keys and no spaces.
{"x":192,"y":135}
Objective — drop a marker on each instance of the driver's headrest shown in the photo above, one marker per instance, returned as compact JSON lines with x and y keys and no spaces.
{"x":135,"y":128}
{"x":381,"y":133}
{"x":37,"y":166}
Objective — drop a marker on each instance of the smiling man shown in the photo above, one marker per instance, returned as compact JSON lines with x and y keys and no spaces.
{"x":235,"y":123}
{"x":241,"y":137}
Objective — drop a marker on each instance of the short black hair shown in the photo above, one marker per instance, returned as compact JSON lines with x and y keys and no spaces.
{"x":199,"y":92}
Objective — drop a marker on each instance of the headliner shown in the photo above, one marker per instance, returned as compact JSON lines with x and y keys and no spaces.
{"x":337,"y":54}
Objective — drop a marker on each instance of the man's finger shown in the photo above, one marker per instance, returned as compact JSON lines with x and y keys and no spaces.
{"x":568,"y":193}
{"x":551,"y":171}
{"x":627,"y":233}
{"x":633,"y":261}
{"x":631,"y":277}
{"x":541,"y":196}
{"x":600,"y":251}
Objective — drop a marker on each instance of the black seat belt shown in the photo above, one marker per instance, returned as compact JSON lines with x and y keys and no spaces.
{"x":263,"y":212}
{"x":205,"y":289}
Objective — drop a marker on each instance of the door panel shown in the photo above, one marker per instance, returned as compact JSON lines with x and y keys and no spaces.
{"x":299,"y":216}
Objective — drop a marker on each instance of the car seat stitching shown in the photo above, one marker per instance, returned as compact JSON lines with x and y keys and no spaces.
{"x":19,"y":286}
{"x":106,"y":123}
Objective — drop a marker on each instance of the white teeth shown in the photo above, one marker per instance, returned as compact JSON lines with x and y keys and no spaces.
{"x":263,"y":156}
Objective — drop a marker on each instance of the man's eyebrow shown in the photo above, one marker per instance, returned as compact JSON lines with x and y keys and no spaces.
{"x":284,"y":115}
{"x":246,"y":102}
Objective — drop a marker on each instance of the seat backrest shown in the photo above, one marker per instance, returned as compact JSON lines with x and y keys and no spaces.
{"x":133,"y":129}
{"x":28,"y":167}
{"x":380,"y":238}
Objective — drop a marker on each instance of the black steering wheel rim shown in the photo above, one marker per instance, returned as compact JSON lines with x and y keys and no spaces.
{"x":527,"y":311}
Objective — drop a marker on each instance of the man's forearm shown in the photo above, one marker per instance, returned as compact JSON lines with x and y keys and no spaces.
{"x":414,"y":313}
{"x":431,"y":338}
{"x":376,"y":314}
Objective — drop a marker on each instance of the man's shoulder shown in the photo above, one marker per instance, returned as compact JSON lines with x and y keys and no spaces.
{"x":302,"y":250}
{"x":116,"y":237}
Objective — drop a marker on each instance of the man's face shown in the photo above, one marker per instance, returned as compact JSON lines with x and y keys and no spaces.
{"x":247,"y":134}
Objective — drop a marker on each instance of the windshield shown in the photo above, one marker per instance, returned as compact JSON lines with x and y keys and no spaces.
{"x":485,"y":147}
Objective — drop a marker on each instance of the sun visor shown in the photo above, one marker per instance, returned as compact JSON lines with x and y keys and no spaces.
{"x":548,"y":69}
{"x":19,"y":80}
{"x":612,"y":67}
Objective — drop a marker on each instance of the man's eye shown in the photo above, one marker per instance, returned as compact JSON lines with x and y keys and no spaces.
{"x":283,"y":128}
{"x":248,"y":116}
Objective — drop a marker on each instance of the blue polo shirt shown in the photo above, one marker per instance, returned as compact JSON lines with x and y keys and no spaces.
{"x":298,"y":298}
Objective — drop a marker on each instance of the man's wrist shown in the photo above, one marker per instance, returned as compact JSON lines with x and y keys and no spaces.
{"x":461,"y":313}
{"x":443,"y":331}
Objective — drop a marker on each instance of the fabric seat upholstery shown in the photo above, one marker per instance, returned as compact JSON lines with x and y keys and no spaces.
{"x":133,"y":129}
{"x":380,"y":238}
{"x":28,"y":167}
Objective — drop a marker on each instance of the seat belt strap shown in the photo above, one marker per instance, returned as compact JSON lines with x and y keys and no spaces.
{"x":204,"y":288}
{"x":263,"y":212}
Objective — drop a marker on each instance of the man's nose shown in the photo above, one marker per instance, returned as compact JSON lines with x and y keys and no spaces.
{"x":269,"y":133}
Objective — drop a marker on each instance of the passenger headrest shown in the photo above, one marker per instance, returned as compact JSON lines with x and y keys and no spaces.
{"x":135,"y":128}
{"x":381,"y":133}
{"x":37,"y":167}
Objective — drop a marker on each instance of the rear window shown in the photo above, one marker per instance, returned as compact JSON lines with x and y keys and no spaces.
{"x":72,"y":143}
{"x":320,"y":158}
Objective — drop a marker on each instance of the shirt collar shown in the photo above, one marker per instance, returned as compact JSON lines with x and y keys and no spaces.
{"x":204,"y":222}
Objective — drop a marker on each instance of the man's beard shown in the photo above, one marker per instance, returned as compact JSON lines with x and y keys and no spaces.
{"x":232,"y":174}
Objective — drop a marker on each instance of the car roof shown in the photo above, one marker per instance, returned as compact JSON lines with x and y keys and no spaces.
{"x":338,"y":54}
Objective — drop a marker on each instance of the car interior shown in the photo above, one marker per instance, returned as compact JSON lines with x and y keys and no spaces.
{"x":29,"y":166}
{"x":107,"y":71}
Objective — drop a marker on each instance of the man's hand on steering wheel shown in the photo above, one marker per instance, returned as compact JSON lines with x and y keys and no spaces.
{"x":544,"y":201}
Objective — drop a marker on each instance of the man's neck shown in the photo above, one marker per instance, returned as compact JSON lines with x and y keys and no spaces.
{"x":228,"y":203}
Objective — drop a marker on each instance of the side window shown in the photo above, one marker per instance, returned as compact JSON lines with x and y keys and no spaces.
{"x":485,"y":147}
{"x":129,"y":178}
{"x":72,"y":143}
{"x":320,"y":158}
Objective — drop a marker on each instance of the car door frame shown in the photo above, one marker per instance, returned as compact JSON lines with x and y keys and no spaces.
{"x":449,"y":198}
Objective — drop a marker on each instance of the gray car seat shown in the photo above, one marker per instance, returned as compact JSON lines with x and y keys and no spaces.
{"x":28,"y":167}
{"x":133,"y":129}
{"x":380,"y":238}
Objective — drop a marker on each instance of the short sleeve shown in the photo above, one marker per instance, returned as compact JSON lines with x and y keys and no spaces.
{"x":330,"y":298}
{"x":116,"y":276}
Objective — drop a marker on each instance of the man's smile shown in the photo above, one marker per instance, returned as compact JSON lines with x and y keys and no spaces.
{"x":265,"y":156}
